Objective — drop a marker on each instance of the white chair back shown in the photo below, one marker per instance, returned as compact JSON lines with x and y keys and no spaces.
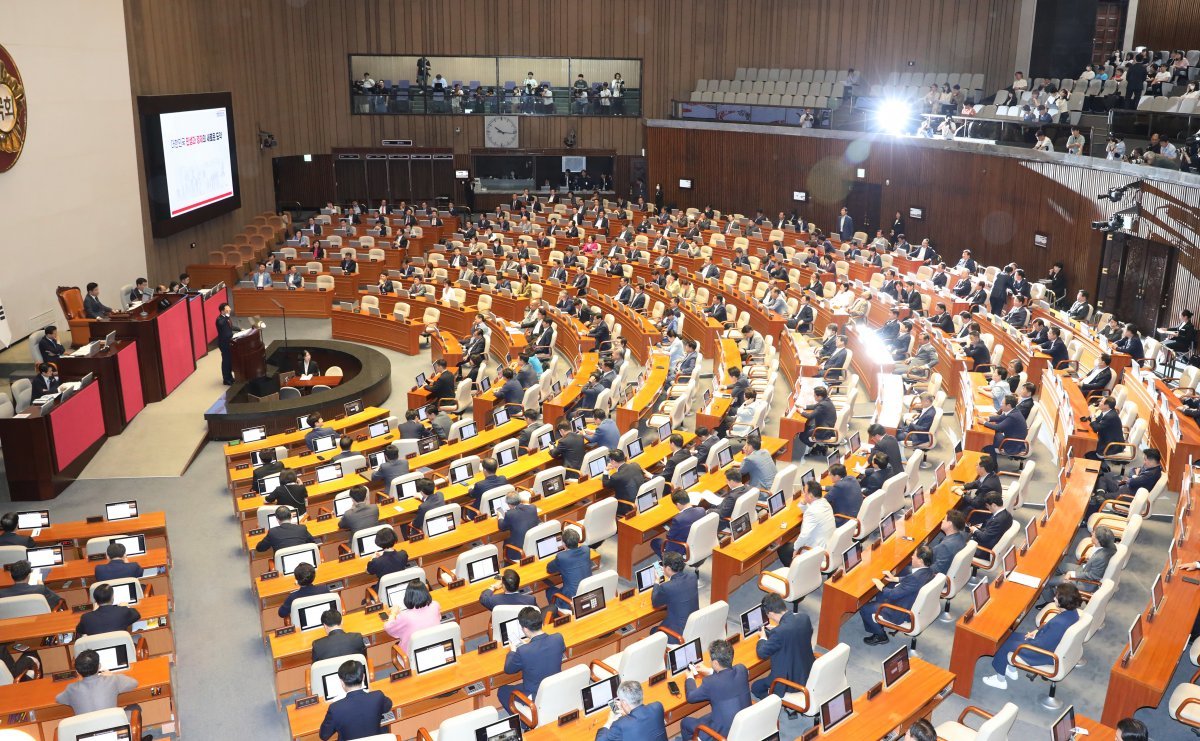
{"x":707,"y":623}
{"x":71,"y":729}
{"x":758,"y":721}
{"x":323,"y":680}
{"x":24,"y":605}
{"x":600,"y":521}
{"x":561,"y":693}
{"x":702,"y":538}
{"x":643,"y":659}
{"x":393,"y":586}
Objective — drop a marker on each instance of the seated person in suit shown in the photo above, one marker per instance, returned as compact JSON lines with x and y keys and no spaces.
{"x":117,"y":567}
{"x":293,"y":280}
{"x":993,"y":528}
{"x":9,"y":534}
{"x":818,"y":525}
{"x":786,"y":641}
{"x":510,"y":583}
{"x":899,"y":591}
{"x":317,"y":423}
{"x":680,"y":525}
{"x":389,"y":559}
{"x":430,"y":499}
{"x":623,"y":477}
{"x":49,"y":346}
{"x":952,"y":540}
{"x":290,"y":493}
{"x":1054,"y":347}
{"x":569,"y":448}
{"x":634,"y":721}
{"x":1087,"y":574}
{"x":307,"y":366}
{"x":573,"y":563}
{"x":336,"y":642}
{"x":517,"y":520}
{"x":93,"y":308}
{"x":916,"y":431}
{"x":726,"y":687}
{"x":105,"y":617}
{"x":46,"y":381}
{"x":393,"y":466}
{"x":986,"y":480}
{"x":411,"y":428}
{"x":95,"y":690}
{"x":1047,"y":638}
{"x":821,"y":417}
{"x":270,"y":466}
{"x":20,"y":572}
{"x":285,"y":534}
{"x":845,"y":494}
{"x":305,"y":574}
{"x":536,"y":657}
{"x":441,"y":387}
{"x":1099,"y":378}
{"x":345,"y":445}
{"x":490,"y":481}
{"x":678,"y":593}
{"x":679,"y":454}
{"x":877,"y":472}
{"x":1010,"y":428}
{"x":360,"y":713}
{"x":1107,"y":426}
{"x":362,"y":514}
{"x":348,"y":265}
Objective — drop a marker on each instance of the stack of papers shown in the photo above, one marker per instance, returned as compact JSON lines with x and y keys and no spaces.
{"x":1025,"y":580}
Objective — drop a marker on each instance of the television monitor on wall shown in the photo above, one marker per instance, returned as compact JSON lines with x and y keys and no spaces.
{"x":190,"y":155}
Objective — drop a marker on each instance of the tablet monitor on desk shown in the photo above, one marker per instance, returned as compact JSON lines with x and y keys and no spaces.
{"x":577,"y":423}
{"x":110,"y":339}
{"x":302,"y":422}
{"x":428,"y":444}
{"x":421,"y":380}
{"x":33,"y":519}
{"x":753,"y":620}
{"x":268,"y":484}
{"x":124,"y":594}
{"x":689,"y":478}
{"x":506,"y":729}
{"x":809,"y":475}
{"x":439,"y":525}
{"x":434,"y":656}
{"x":587,"y":603}
{"x":44,"y":557}
{"x":740,"y":526}
{"x":378,"y":429}
{"x":484,"y":568}
{"x":553,"y":485}
{"x":116,"y":733}
{"x":597,"y":465}
{"x":1064,"y":728}
{"x":510,"y":632}
{"x":648,"y":576}
{"x":1010,"y":559}
{"x":325,"y":443}
{"x":836,"y":709}
{"x":331,"y":472}
{"x":366,"y":544}
{"x":1031,"y":531}
{"x":113,"y":658}
{"x":683,"y":656}
{"x":664,"y":430}
{"x":545,"y":440}
{"x":460,"y":473}
{"x":289,"y":561}
{"x":310,"y":617}
{"x":254,"y":434}
{"x":634,"y":449}
{"x":333,"y":689}
{"x":467,"y":431}
{"x":597,"y":696}
{"x":135,"y":545}
{"x":725,"y":456}
{"x":833,"y":459}
{"x":855,"y":443}
{"x":499,"y":417}
{"x":918,"y":499}
{"x":549,"y":545}
{"x":852,"y":557}
{"x":895,"y":666}
{"x":425,"y":412}
{"x":506,"y":457}
{"x":887,"y":527}
{"x":114,"y":511}
{"x":376,"y":459}
{"x":980,"y":595}
{"x":939,"y":473}
{"x":342,"y":504}
{"x":775,"y":502}
{"x":556,"y":388}
{"x":646,"y":500}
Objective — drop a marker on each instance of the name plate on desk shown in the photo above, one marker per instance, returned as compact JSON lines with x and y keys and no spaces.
{"x":285,"y":631}
{"x":377,"y":607}
{"x":402,"y":674}
{"x":304,"y":702}
{"x":268,"y":575}
{"x":81,"y":608}
{"x":525,"y":561}
{"x":64,"y":676}
{"x":456,"y":584}
{"x":97,"y":557}
{"x":345,"y":557}
{"x":324,"y":517}
{"x":489,"y":646}
{"x":570,"y":717}
{"x":658,"y":678}
{"x":561,"y":621}
{"x":258,"y":531}
{"x":249,"y":495}
{"x":241,"y":466}
{"x":627,"y":594}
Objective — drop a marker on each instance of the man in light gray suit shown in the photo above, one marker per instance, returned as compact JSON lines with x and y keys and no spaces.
{"x":361,"y":515}
{"x":1104,"y":547}
{"x":752,"y":342}
{"x":96,"y":690}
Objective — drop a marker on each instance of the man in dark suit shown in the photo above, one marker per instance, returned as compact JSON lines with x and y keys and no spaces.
{"x":977,"y":351}
{"x":389,"y":559}
{"x":507,"y":591}
{"x":537,"y":657}
{"x":475,"y":344}
{"x":1001,"y":285}
{"x":845,"y":495}
{"x":639,"y":300}
{"x":336,"y":642}
{"x":20,"y":572}
{"x":726,"y":688}
{"x":986,"y":480}
{"x":430,"y":499}
{"x":968,"y":262}
{"x":517,"y":520}
{"x":285,"y":534}
{"x":845,"y":225}
{"x":680,"y":525}
{"x":993,"y":528}
{"x":46,"y":381}
{"x":901,"y":591}
{"x":570,"y":447}
{"x":573,"y":563}
{"x":117,"y":567}
{"x":490,"y":481}
{"x":349,"y":265}
{"x":105,"y":617}
{"x":834,"y":366}
{"x":916,"y":432}
{"x":224,"y":339}
{"x":1054,"y":347}
{"x":953,"y":540}
{"x":1131,"y":343}
{"x":318,"y":429}
{"x":1099,"y":377}
{"x":678,"y":593}
{"x":1107,"y":426}
{"x":362,"y":514}
{"x":678,"y":455}
{"x":93,"y":308}
{"x":884,"y":442}
{"x":9,"y":535}
{"x":623,"y":477}
{"x":635,"y":721}
{"x":410,"y":428}
{"x":942,"y":319}
{"x":822,"y":414}
{"x":305,"y":574}
{"x":706,"y":440}
{"x":1025,"y":399}
{"x":360,"y":713}
{"x":787,"y":642}
{"x":49,"y":346}
{"x":1009,"y":425}
{"x":393,"y":466}
{"x":441,"y":386}
{"x":1080,"y":310}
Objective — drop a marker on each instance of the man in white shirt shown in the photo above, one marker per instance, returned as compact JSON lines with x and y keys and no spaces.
{"x":617,"y":91}
{"x":816,"y":527}
{"x":1043,"y":143}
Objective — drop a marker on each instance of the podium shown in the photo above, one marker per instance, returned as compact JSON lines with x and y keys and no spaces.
{"x":249,"y":356}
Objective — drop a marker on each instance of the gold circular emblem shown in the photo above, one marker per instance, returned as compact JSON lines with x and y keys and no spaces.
{"x":14,"y":112}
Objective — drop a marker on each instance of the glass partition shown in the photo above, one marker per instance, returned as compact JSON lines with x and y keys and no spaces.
{"x":463,"y":85}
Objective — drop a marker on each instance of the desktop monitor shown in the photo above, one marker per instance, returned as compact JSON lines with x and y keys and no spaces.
{"x":855,"y":443}
{"x":302,"y":422}
{"x":836,"y":709}
{"x":588,"y":602}
{"x":1050,"y":505}
{"x":1156,"y":594}
{"x":809,"y":475}
{"x":467,"y":431}
{"x":434,"y":656}
{"x":460,"y":473}
{"x":895,"y":666}
{"x":439,"y":525}
{"x":753,"y":619}
{"x":597,"y":696}
{"x":113,"y":658}
{"x":556,"y":388}
{"x":329,"y":473}
{"x":256,"y":458}
{"x":424,"y":412}
{"x":648,"y":576}
{"x":378,"y":429}
{"x":253,"y":434}
{"x":407,"y":489}
{"x":376,"y":459}
{"x":918,"y":498}
{"x":420,"y":380}
{"x":549,"y":545}
{"x":724,"y":456}
{"x":366,"y":544}
{"x":833,"y":459}
{"x":510,"y":631}
{"x":483,"y":568}
{"x":1031,"y":531}
{"x":634,"y":449}
{"x":1064,"y":728}
{"x":740,"y":526}
{"x":499,"y":417}
{"x":135,"y":545}
{"x":887,"y":526}
{"x":289,"y":561}
{"x":775,"y":502}
{"x":980,"y":595}
{"x":683,"y":656}
{"x":333,"y":689}
{"x":486,"y":383}
{"x":33,"y":519}
{"x":353,"y":407}
{"x":646,"y":500}
{"x":1135,"y":634}
{"x":545,"y":440}
{"x":553,"y":485}
{"x":269,"y":483}
{"x":428,"y":444}
{"x":324,"y":444}
{"x":940,"y":473}
{"x":577,"y":423}
{"x":1010,"y":559}
{"x":597,"y":465}
{"x":116,"y":733}
{"x":664,"y":430}
{"x":310,"y":617}
{"x":506,"y":729}
{"x":689,"y":478}
{"x":506,"y":457}
{"x":125,"y":594}
{"x":44,"y":557}
{"x":342,"y":504}
{"x":852,"y":557}
{"x":121,"y":510}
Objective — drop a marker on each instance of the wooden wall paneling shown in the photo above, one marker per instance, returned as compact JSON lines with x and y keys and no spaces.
{"x":1167,"y":24}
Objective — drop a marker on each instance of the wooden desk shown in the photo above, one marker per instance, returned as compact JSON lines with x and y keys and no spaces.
{"x":153,"y":524}
{"x":1176,"y":451}
{"x":913,"y":697}
{"x":871,"y":360}
{"x":974,"y":386}
{"x":640,"y":406}
{"x":843,"y":597}
{"x":162,"y":336}
{"x":303,"y":304}
{"x":384,"y":331}
{"x":238,"y":452}
{"x":1087,"y":340}
{"x":634,"y":534}
{"x":555,"y":408}
{"x":983,"y":634}
{"x":443,"y":346}
{"x":43,"y":454}
{"x":117,"y":370}
{"x":1064,"y":404}
{"x":297,"y":382}
{"x":725,"y":355}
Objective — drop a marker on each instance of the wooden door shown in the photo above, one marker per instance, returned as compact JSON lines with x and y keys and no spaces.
{"x":1136,"y":280}
{"x":1110,"y":30}
{"x":863,"y":204}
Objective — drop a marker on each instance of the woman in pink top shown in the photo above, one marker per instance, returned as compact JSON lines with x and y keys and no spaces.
{"x":421,"y":611}
{"x":590,"y":246}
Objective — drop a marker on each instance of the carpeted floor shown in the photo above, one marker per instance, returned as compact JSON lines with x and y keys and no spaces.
{"x":224,"y":679}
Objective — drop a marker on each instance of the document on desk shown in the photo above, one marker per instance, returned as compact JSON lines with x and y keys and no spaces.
{"x":696,"y":497}
{"x":243,"y":333}
{"x":1025,"y":580}
{"x":306,"y":377}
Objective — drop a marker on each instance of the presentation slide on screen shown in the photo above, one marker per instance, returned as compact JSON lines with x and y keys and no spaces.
{"x":196,"y":158}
